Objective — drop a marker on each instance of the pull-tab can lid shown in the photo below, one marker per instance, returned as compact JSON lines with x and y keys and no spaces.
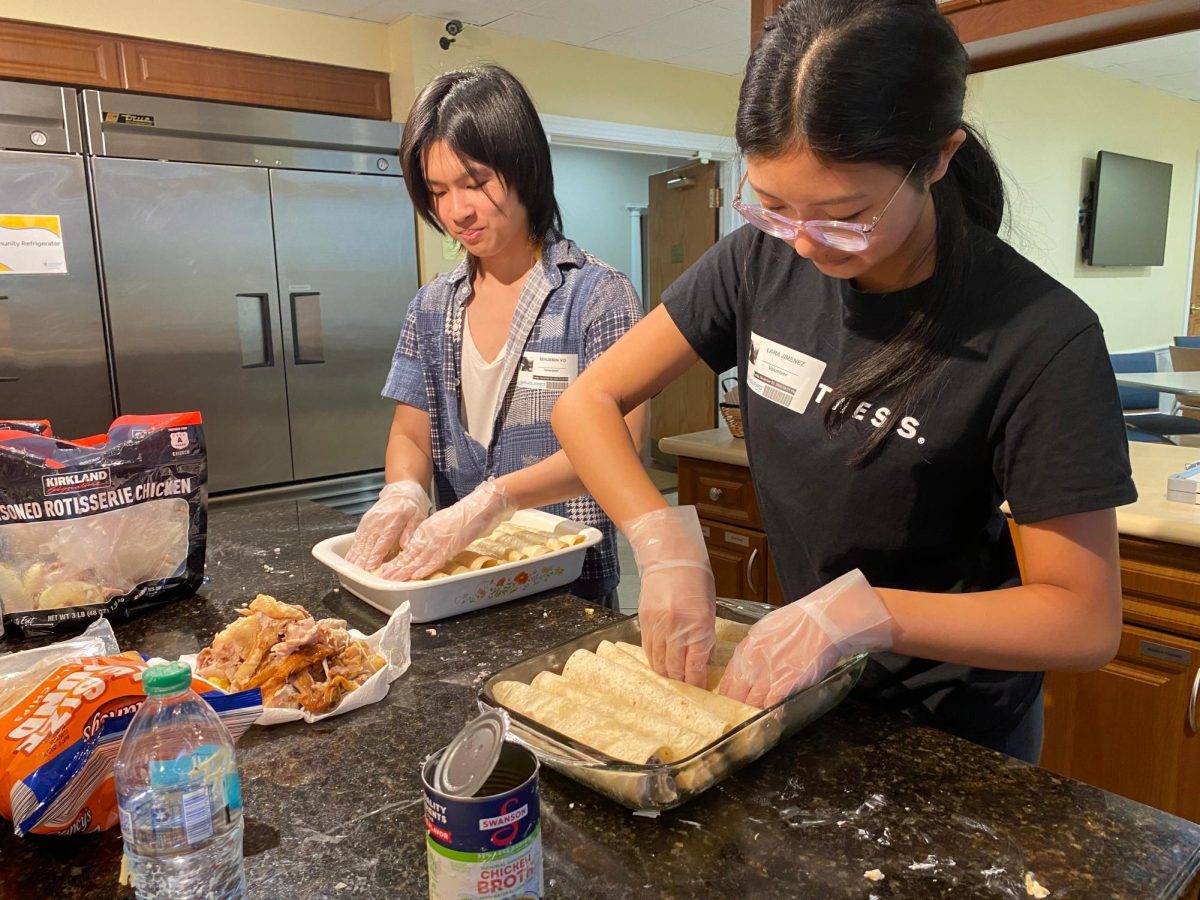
{"x":468,"y":760}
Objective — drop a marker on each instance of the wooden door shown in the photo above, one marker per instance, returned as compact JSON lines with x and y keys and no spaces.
{"x":682,"y":224}
{"x":1127,"y":728}
{"x":739,"y":561}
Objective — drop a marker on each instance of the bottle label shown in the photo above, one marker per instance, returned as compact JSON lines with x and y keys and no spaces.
{"x":190,"y":799}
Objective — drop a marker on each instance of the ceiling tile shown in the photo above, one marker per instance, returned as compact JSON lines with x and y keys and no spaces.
{"x":637,"y":44}
{"x":728,"y":59}
{"x":611,"y":15}
{"x":564,"y":31}
{"x":473,"y":12}
{"x":343,"y":8}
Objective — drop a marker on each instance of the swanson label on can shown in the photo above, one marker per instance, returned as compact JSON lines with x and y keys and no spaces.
{"x":490,"y":844}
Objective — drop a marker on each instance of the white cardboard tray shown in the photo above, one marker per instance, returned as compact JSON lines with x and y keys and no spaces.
{"x":457,"y":594}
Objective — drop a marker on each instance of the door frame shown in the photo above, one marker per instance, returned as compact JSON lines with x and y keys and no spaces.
{"x":594,"y":134}
{"x":1193,"y":272}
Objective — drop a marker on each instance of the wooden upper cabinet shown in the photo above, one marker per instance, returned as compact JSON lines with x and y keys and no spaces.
{"x":152,"y":67}
{"x":1001,"y":33}
{"x":68,"y":56}
{"x":62,"y":55}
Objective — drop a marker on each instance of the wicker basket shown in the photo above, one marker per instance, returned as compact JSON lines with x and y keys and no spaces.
{"x":732,"y":414}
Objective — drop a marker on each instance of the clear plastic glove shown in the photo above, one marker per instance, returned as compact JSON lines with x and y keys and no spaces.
{"x":677,"y":606}
{"x":448,"y":532}
{"x":390,"y":523}
{"x":793,"y":647}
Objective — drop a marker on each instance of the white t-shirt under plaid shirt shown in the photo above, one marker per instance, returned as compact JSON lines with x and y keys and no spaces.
{"x":572,"y":308}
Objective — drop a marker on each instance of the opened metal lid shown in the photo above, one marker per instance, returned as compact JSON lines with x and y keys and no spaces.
{"x":468,"y":760}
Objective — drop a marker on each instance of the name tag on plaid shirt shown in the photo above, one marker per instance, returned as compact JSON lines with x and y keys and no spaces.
{"x":547,"y":371}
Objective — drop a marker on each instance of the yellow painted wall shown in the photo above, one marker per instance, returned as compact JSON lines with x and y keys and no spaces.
{"x":1044,"y":120}
{"x":225,"y":24}
{"x":563,"y":80}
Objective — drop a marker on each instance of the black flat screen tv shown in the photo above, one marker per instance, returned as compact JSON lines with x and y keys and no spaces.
{"x":1126,"y":221}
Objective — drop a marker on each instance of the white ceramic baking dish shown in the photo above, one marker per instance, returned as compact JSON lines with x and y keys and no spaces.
{"x":457,"y":594}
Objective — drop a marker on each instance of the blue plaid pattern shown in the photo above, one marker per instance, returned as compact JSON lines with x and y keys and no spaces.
{"x":570,"y":303}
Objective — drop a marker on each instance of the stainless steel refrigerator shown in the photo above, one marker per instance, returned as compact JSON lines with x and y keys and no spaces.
{"x":258,"y":265}
{"x":53,"y":362}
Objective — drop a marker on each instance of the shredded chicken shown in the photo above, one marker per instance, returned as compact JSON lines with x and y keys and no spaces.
{"x":297,"y":661}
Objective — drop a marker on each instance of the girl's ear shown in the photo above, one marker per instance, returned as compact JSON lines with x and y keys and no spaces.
{"x":946,"y":154}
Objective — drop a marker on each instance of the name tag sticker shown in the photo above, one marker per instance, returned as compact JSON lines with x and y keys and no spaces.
{"x":781,"y":374}
{"x":547,"y":371}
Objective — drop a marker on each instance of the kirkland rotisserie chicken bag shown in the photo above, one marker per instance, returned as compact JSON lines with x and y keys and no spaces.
{"x":100,"y":526}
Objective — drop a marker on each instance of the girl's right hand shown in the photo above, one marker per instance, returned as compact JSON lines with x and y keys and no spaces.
{"x":401,"y":507}
{"x":677,"y":605}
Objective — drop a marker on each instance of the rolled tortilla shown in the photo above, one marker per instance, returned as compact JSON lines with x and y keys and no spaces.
{"x":730,"y":711}
{"x":722,"y":653}
{"x":679,"y":741}
{"x":533,"y":536}
{"x":473,"y":561}
{"x":729,"y":630}
{"x":526,"y":549}
{"x":580,"y":724}
{"x":712,"y":676}
{"x":640,"y":689}
{"x":498,"y":552}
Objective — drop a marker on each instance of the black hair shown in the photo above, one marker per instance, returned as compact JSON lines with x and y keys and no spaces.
{"x":485,"y":116}
{"x":879,"y":81}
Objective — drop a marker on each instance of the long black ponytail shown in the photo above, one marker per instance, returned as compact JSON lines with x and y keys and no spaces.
{"x":879,"y":81}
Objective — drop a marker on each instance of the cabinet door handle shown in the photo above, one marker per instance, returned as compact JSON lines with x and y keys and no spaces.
{"x":715,"y":494}
{"x":7,"y":345}
{"x":254,"y":330}
{"x":1192,"y":705}
{"x":750,"y":575}
{"x":308,"y":345}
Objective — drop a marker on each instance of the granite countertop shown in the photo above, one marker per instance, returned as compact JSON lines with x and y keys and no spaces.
{"x":334,"y":810}
{"x":1152,"y":517}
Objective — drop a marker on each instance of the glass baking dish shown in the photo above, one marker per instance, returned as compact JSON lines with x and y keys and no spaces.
{"x":666,"y":785}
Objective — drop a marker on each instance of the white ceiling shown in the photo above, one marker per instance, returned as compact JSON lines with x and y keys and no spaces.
{"x":1170,"y":64}
{"x":700,"y":34}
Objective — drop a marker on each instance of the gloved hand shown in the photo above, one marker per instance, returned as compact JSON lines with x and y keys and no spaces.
{"x":401,"y":507}
{"x":448,"y":531}
{"x":794,"y":646}
{"x":677,"y":606}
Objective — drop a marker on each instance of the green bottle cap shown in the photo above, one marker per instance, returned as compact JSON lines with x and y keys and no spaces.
{"x":166,"y":678}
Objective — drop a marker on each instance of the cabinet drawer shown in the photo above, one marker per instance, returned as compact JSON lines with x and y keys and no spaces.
{"x":719,"y":491}
{"x":739,"y":561}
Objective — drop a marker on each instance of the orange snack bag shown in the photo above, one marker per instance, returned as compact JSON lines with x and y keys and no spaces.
{"x":59,"y":742}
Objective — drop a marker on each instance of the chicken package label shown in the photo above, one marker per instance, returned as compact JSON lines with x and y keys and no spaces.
{"x":100,"y":526}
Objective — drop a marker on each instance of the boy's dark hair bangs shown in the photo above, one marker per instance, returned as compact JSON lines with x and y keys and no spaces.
{"x":486,"y":118}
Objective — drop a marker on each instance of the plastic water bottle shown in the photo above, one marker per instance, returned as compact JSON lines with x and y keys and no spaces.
{"x":179,"y":795}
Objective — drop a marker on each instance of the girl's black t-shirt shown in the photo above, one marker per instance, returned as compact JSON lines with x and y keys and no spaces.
{"x":1025,"y":411}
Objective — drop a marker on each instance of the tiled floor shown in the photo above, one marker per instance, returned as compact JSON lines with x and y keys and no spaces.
{"x":631,"y":584}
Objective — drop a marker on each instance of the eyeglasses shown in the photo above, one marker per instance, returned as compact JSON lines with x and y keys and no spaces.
{"x":851,"y":237}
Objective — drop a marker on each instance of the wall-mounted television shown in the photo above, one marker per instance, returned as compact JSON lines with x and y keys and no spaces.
{"x":1125,"y":215}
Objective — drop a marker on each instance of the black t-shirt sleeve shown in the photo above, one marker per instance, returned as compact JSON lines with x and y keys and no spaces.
{"x":1063,"y":449}
{"x":704,"y":300}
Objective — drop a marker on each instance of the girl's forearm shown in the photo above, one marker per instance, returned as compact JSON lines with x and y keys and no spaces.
{"x":594,"y":435}
{"x":1027,"y":628}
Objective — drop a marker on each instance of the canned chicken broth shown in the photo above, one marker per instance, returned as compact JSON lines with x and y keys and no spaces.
{"x":486,"y":845}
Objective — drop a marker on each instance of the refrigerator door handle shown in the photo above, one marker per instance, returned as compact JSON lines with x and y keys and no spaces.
{"x":254,"y":329}
{"x":308,"y":345}
{"x":6,"y":344}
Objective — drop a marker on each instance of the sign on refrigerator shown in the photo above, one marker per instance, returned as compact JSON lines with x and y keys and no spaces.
{"x":31,"y":245}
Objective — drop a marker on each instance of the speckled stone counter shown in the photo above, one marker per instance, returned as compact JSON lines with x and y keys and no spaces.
{"x":334,"y":809}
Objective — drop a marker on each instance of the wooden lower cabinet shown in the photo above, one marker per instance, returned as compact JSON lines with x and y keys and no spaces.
{"x":1129,"y":728}
{"x":739,"y":561}
{"x":723,"y":495}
